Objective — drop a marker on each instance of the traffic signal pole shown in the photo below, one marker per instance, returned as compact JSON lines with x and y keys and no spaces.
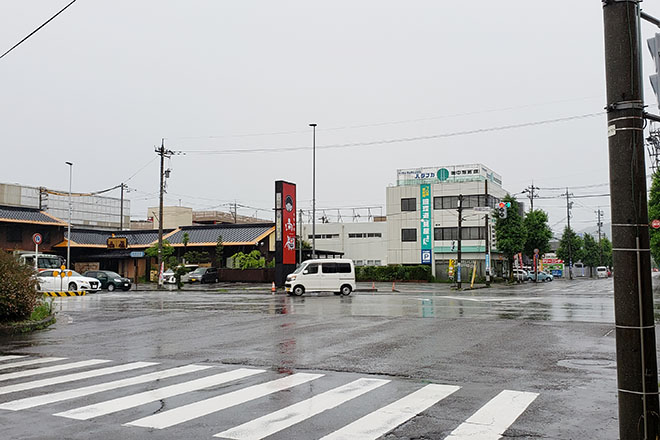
{"x":637,"y":376}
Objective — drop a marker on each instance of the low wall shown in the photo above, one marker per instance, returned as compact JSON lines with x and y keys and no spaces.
{"x":247,"y":275}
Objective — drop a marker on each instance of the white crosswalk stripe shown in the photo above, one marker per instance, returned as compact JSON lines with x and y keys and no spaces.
{"x":122,"y":403}
{"x":495,"y":417}
{"x":279,"y":420}
{"x":204,"y":407}
{"x":31,"y":402}
{"x":30,"y":362}
{"x":10,"y":356}
{"x":73,"y":377}
{"x":489,"y":422}
{"x":382,"y":421}
{"x":53,"y":369}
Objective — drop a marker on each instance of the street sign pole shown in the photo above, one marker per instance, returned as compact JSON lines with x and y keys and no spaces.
{"x":36,"y":238}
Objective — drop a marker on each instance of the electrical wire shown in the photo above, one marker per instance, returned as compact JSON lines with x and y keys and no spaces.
{"x":37,"y":29}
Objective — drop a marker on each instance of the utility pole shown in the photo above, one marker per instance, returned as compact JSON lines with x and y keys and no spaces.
{"x":299,"y":227}
{"x":569,"y":204}
{"x":600,"y":248}
{"x":458,"y":256}
{"x":487,"y":241}
{"x":121,"y":208}
{"x":637,"y":371}
{"x":313,"y":190}
{"x":530,"y":190}
{"x":163,"y":153}
{"x":235,"y":212}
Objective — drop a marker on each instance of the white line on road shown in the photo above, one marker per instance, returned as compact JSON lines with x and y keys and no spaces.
{"x":30,"y":362}
{"x":291,"y":415}
{"x":10,"y":356}
{"x":73,"y":377}
{"x":224,"y":401}
{"x":31,"y":402}
{"x":382,"y":421}
{"x":52,"y":369}
{"x":495,"y":417}
{"x":122,"y":403}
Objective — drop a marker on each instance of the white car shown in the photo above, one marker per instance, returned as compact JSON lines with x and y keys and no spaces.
{"x":520,"y":275}
{"x":601,"y":272}
{"x":50,"y":280}
{"x":168,"y":277}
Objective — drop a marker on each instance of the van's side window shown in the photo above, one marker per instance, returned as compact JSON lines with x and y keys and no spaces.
{"x":329,"y":268}
{"x":313,"y":268}
{"x":343,"y":267}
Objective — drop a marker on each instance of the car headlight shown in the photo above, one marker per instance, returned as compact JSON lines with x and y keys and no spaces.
{"x":117,"y":280}
{"x":291,"y":277}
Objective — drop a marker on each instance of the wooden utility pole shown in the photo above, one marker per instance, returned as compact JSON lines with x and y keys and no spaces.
{"x":163,"y":153}
{"x":637,"y":372}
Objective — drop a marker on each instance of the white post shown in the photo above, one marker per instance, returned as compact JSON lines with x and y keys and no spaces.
{"x":36,"y":257}
{"x":68,"y":234}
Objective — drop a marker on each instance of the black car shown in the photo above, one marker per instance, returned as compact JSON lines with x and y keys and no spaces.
{"x":204,"y":275}
{"x":109,"y":280}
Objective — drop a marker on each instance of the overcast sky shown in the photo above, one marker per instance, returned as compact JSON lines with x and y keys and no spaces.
{"x":106,"y":80}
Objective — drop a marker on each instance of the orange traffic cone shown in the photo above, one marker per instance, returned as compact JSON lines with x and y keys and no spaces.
{"x":272,"y":289}
{"x":393,"y":289}
{"x":373,"y":286}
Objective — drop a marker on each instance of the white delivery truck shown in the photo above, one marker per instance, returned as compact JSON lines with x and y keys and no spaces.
{"x":327,"y":275}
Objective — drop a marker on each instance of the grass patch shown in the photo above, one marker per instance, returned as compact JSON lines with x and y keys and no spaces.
{"x":42,"y":311}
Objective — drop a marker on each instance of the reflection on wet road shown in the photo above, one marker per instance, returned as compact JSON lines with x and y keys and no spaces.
{"x":577,"y":301}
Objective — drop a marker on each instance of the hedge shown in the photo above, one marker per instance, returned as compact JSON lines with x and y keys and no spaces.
{"x":393,"y":273}
{"x":18,"y":289}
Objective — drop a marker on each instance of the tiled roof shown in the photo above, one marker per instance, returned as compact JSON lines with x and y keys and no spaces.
{"x":27,"y":215}
{"x":93,"y":237}
{"x":236,"y":233}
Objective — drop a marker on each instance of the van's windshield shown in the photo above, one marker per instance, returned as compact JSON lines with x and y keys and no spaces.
{"x":300,"y":268}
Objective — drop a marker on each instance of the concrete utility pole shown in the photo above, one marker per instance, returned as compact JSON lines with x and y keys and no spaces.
{"x":121,"y":208}
{"x":487,"y":237}
{"x":569,"y":204}
{"x":600,"y":248}
{"x":163,"y":153}
{"x":313,"y":190}
{"x":637,"y":372}
{"x":530,"y":190}
{"x":458,"y":256}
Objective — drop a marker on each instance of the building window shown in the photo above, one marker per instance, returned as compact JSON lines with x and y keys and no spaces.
{"x":359,"y":262}
{"x":365,"y":235}
{"x":14,"y":234}
{"x":409,"y":234}
{"x":469,"y":201}
{"x":377,"y":263}
{"x":323,"y":236}
{"x":409,"y":204}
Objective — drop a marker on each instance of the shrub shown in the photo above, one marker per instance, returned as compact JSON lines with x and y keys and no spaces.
{"x":18,"y":289}
{"x":393,"y":273}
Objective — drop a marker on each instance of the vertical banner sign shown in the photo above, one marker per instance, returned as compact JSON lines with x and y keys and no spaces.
{"x":425,"y":217}
{"x":285,"y":230}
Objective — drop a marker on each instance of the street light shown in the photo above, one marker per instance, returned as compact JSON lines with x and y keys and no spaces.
{"x":68,"y":234}
{"x":313,"y":191}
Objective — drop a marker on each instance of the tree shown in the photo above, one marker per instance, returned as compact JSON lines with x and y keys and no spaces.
{"x":168,"y":252}
{"x":591,"y":253}
{"x":195,"y":257}
{"x":654,"y":214}
{"x":253,"y":260}
{"x":606,"y":246}
{"x":538,"y":232}
{"x":18,"y":289}
{"x":219,"y":250}
{"x":569,"y":236}
{"x":185,"y":240}
{"x":510,"y":232}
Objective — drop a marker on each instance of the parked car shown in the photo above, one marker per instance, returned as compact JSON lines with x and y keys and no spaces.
{"x":109,"y":280}
{"x":50,"y":280}
{"x":543,"y":276}
{"x":602,"y":272}
{"x":520,"y":275}
{"x":203,"y":275}
{"x":170,"y":278}
{"x":327,"y":275}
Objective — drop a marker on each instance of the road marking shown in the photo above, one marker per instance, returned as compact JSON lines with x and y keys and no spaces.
{"x":30,"y":362}
{"x":10,"y":356}
{"x":53,"y":369}
{"x":495,"y":417}
{"x":72,"y":377}
{"x":122,"y":403}
{"x":224,"y":401}
{"x":31,"y":402}
{"x":291,"y":415}
{"x":382,"y":421}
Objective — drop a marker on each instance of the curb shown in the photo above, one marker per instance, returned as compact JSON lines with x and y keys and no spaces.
{"x":26,"y":326}
{"x":66,"y":293}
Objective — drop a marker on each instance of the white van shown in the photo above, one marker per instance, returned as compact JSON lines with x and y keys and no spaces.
{"x":329,"y":275}
{"x":601,"y":272}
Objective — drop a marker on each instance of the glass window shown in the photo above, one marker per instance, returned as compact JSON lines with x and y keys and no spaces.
{"x":329,"y":268}
{"x":344,"y":267}
{"x":376,"y":262}
{"x":450,"y":202}
{"x":409,"y":234}
{"x":313,"y":268}
{"x":409,"y":204}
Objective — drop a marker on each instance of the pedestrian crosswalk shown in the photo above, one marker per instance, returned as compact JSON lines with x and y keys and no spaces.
{"x":119,"y":394}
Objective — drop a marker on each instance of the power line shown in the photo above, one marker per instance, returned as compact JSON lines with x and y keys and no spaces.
{"x":397,"y":140}
{"x":37,"y":29}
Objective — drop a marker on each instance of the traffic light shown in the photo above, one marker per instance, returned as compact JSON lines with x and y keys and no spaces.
{"x":654,"y":47}
{"x":501,"y":209}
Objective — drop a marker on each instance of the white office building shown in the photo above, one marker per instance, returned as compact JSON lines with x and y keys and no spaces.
{"x":363,"y":242}
{"x":422,"y":217}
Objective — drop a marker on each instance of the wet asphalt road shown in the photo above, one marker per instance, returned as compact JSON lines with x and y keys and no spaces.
{"x":549,"y":343}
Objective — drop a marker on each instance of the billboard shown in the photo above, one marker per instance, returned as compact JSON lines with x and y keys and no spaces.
{"x":452,"y":173}
{"x":285,"y":230}
{"x":425,"y":226}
